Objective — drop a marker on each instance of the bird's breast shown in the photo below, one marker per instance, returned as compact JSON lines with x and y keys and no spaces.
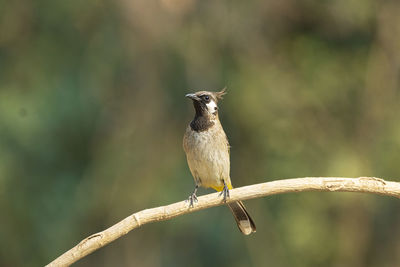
{"x":207,"y":154}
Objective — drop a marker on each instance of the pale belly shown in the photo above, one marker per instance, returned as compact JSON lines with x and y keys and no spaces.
{"x":208,"y":158}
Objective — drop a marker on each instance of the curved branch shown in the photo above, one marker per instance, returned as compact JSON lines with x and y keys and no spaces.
{"x":329,"y":184}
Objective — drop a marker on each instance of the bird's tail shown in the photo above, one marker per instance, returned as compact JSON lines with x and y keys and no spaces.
{"x":242,"y":217}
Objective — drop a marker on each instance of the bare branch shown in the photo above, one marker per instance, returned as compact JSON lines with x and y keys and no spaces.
{"x":329,"y":184}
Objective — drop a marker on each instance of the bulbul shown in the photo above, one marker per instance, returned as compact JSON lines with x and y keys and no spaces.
{"x":207,"y":153}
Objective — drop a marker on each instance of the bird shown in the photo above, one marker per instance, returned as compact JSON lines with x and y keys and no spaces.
{"x":208,"y":154}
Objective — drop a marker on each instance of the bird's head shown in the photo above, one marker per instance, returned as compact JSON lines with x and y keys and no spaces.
{"x":205,"y":102}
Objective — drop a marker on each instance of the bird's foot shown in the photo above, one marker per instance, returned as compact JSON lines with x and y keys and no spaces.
{"x":192,"y":199}
{"x":224,"y":192}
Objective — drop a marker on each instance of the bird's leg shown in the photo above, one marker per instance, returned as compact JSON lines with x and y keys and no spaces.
{"x":225,"y":192}
{"x":193,"y":198}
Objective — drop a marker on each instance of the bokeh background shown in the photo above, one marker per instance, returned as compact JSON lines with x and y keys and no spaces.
{"x":92,"y":114}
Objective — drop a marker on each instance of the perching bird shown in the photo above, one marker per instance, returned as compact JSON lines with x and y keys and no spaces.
{"x":207,"y":152}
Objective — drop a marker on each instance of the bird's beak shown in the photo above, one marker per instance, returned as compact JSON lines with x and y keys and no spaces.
{"x":193,"y":97}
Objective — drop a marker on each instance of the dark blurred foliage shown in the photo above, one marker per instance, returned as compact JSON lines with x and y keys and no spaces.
{"x":92,"y":114}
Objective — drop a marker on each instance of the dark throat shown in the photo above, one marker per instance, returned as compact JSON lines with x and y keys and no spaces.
{"x":201,"y":121}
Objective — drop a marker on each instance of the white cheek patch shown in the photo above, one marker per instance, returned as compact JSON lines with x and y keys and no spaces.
{"x":212,"y":107}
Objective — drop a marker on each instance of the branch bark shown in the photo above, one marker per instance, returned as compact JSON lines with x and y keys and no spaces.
{"x":329,"y":184}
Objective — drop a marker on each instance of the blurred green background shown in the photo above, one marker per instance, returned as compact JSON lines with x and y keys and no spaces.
{"x":92,"y":115}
